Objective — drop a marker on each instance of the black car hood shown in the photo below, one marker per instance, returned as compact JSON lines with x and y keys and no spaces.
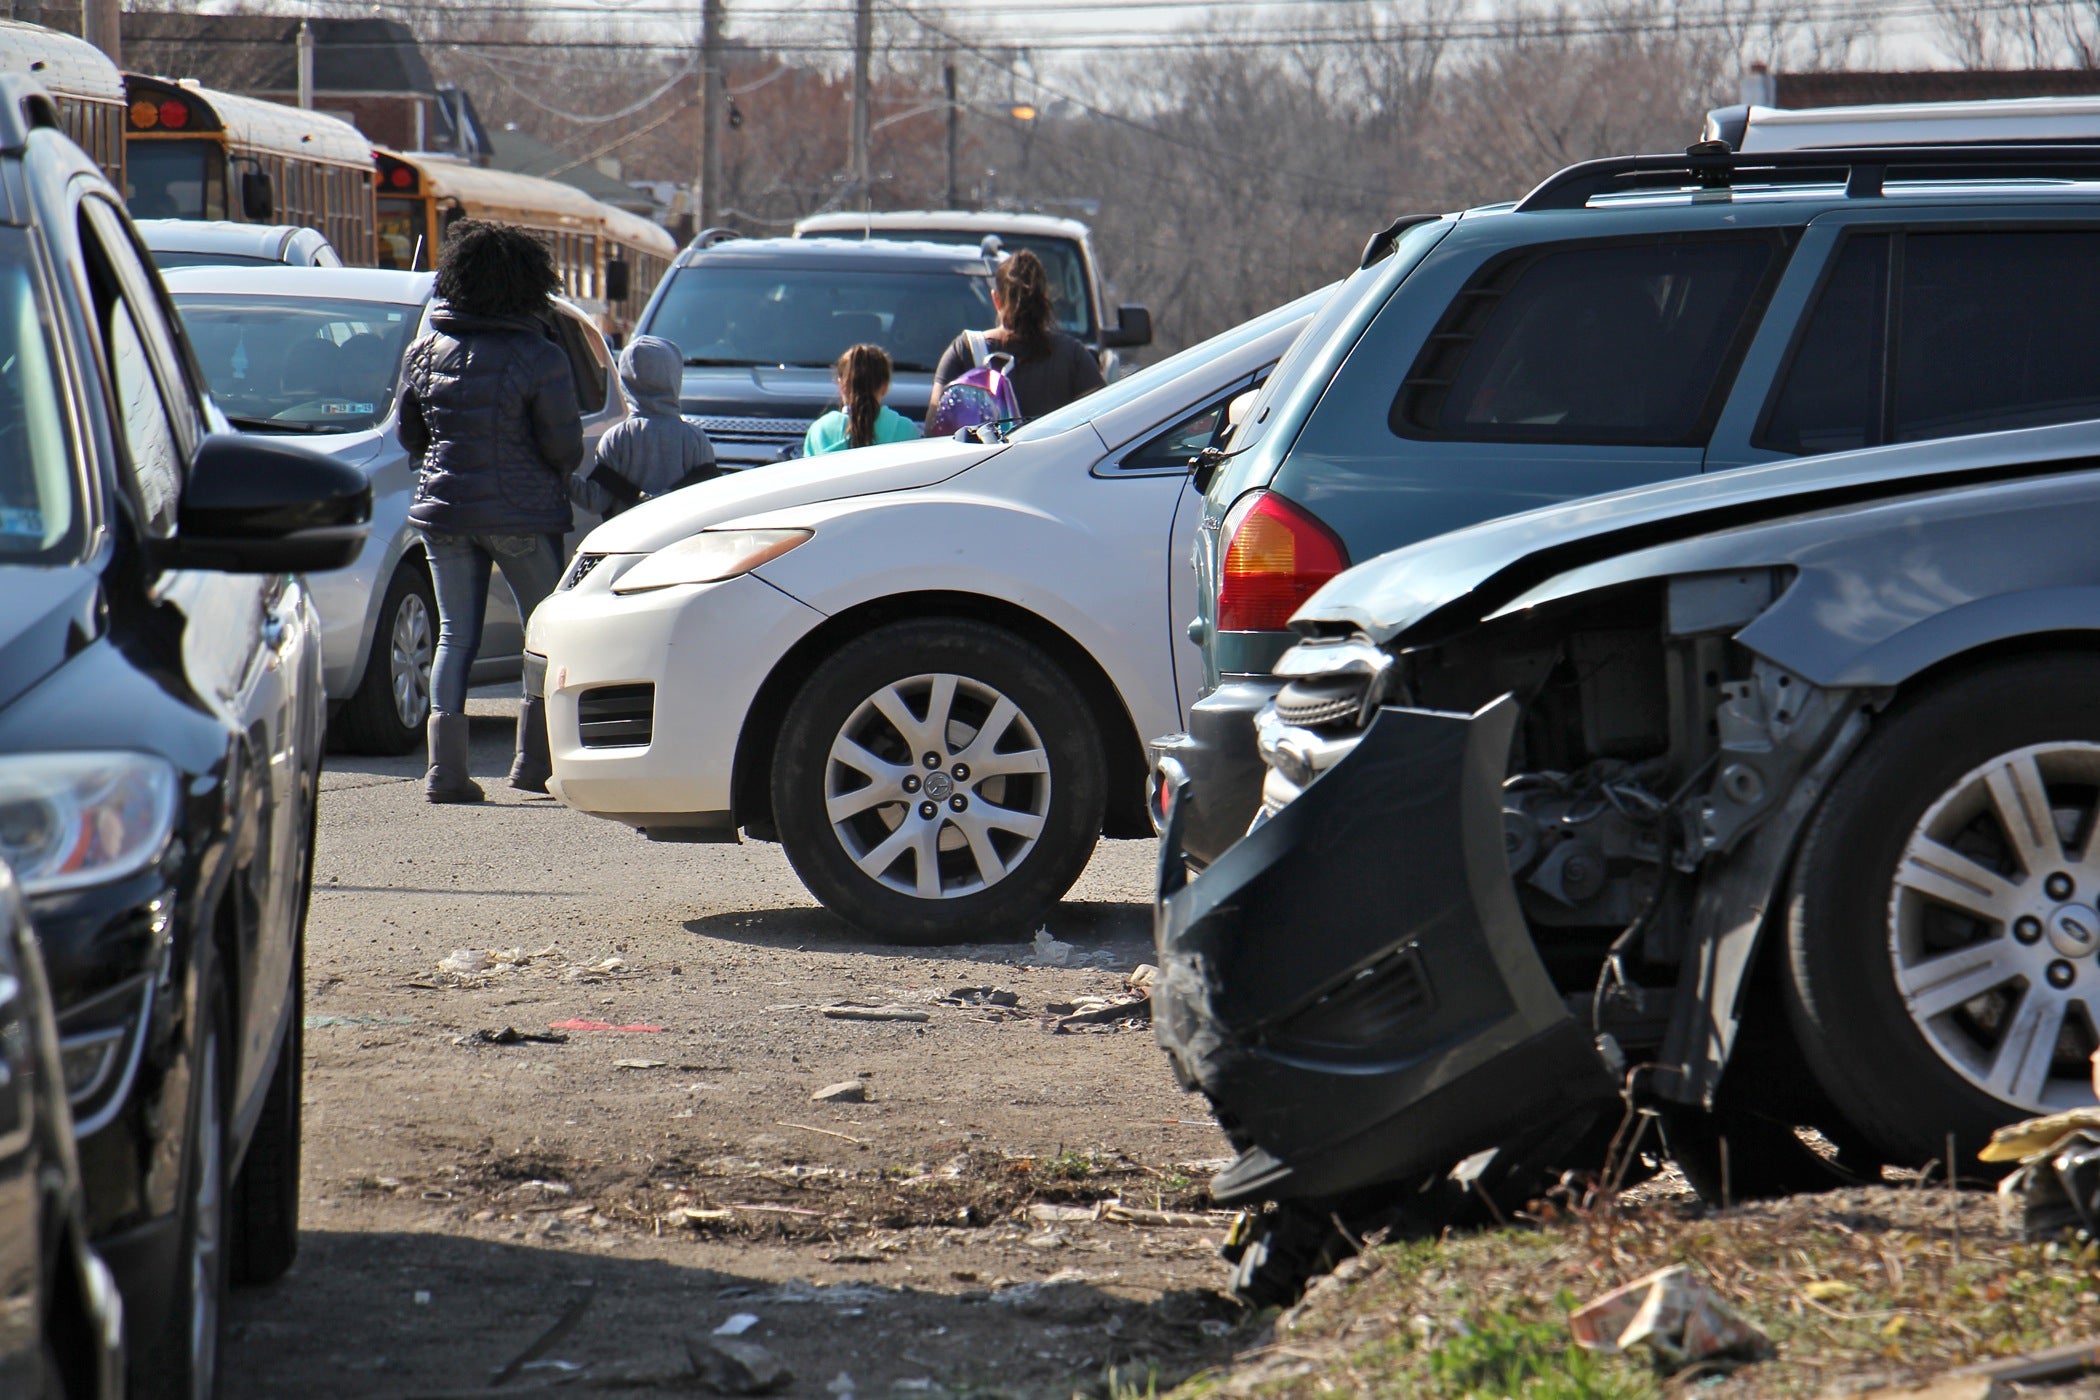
{"x":1428,"y":590}
{"x":50,"y":614}
{"x":785,"y":391}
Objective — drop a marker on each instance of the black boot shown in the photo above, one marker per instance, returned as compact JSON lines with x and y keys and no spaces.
{"x":531,"y":768}
{"x":447,"y":780}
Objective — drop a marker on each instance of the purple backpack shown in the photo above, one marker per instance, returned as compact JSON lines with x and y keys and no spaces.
{"x":981,"y":396}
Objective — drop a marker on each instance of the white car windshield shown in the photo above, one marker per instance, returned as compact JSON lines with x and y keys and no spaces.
{"x":299,"y":364}
{"x":39,"y":519}
{"x":1133,"y":387}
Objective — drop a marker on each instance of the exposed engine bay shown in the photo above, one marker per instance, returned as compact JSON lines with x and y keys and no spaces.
{"x":1650,"y":748}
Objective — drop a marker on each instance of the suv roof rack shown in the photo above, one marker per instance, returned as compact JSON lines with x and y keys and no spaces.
{"x":1712,"y":165}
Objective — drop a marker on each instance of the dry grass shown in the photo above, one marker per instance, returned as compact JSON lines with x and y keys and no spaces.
{"x":1860,"y":1287}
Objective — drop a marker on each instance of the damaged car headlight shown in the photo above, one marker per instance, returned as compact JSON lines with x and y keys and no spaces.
{"x":68,"y":820}
{"x":709,"y":557}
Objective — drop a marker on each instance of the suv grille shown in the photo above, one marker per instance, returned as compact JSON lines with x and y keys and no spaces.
{"x":616,"y":716}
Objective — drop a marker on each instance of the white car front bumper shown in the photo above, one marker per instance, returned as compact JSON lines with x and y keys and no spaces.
{"x":704,"y":649}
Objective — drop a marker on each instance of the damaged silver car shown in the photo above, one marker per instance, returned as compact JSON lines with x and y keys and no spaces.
{"x":1766,"y":801}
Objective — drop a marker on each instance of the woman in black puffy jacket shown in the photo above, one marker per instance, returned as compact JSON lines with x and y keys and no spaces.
{"x":488,"y":409}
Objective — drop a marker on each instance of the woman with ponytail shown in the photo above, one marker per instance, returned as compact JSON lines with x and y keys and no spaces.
{"x":1049,"y":368}
{"x":863,"y":420}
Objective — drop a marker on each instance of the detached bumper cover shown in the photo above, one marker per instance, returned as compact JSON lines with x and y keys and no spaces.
{"x":1353,"y":984}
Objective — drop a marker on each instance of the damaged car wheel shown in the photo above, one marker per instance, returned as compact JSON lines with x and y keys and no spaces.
{"x":1944,"y":941}
{"x":937,"y":782}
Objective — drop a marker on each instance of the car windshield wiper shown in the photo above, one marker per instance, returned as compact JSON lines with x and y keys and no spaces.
{"x":277,"y":425}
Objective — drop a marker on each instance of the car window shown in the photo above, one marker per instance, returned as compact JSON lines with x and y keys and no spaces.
{"x":733,"y":312}
{"x":1625,"y":343}
{"x":1176,"y":448}
{"x":281,"y":364}
{"x":1996,"y":332}
{"x":1062,"y":262}
{"x":1829,"y":399}
{"x":40,"y":515}
{"x":155,"y":420}
{"x":584,"y":364}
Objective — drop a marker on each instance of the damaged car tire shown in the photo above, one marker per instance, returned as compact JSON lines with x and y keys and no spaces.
{"x":939,"y":780}
{"x":1943,"y":952}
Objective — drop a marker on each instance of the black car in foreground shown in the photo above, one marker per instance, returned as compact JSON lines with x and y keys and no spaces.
{"x":1762,"y":802}
{"x":761,"y":321}
{"x":161,"y":717}
{"x":61,"y":1318}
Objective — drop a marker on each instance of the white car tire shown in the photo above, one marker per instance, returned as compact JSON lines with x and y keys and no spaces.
{"x":939,"y":780}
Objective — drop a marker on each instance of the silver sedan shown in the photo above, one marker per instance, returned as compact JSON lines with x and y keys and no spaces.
{"x":316,"y":353}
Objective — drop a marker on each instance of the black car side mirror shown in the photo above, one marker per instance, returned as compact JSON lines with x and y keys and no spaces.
{"x":254,"y":505}
{"x":619,"y":279}
{"x":1133,"y":329}
{"x":258,"y":197}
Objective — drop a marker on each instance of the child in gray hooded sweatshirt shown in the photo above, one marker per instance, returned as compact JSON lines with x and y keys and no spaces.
{"x":653,"y":450}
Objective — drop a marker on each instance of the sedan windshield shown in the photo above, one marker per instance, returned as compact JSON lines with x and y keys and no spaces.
{"x":38,"y":490}
{"x":738,"y":314}
{"x":299,"y":364}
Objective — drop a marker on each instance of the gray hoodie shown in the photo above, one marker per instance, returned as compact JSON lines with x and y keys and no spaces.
{"x":654,"y":450}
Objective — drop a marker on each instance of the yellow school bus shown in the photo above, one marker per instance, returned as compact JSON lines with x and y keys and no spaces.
{"x":193,"y":153}
{"x":87,"y":86}
{"x":609,"y":260}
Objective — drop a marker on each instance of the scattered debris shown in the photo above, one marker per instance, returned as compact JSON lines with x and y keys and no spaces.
{"x":546,"y":1341}
{"x":1676,"y":1314}
{"x":982,"y":996}
{"x":697,"y":1216}
{"x":2057,"y":1186}
{"x":841,"y":1385}
{"x":1048,"y":951}
{"x":466,"y":962}
{"x":510,"y":1035}
{"x":2002,"y":1379}
{"x":845,"y":1091}
{"x":582,"y":1025}
{"x":732,"y":1366}
{"x":1056,"y":1214}
{"x":1100,"y":1013}
{"x":315,"y":1023}
{"x":851,"y":1011}
{"x":1166,"y":1219}
{"x":640,"y":1064}
{"x":737,"y":1325}
{"x":824,"y":1132}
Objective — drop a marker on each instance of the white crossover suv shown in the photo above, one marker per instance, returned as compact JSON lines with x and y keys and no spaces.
{"x":928,"y":669}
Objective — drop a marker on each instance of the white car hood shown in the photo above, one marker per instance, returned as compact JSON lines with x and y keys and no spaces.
{"x":806,"y":481}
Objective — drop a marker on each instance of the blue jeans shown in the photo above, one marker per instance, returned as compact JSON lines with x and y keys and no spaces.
{"x":459,"y":567}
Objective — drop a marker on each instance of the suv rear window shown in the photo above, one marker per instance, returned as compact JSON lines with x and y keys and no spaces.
{"x":1989,"y":330}
{"x":1623,"y":343}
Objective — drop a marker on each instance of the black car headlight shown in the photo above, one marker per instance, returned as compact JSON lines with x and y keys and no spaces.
{"x":70,"y":820}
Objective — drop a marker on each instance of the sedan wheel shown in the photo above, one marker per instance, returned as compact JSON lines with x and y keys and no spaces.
{"x":1943,"y":959}
{"x":937,"y":786}
{"x":386,"y":714}
{"x":413,"y":648}
{"x":935,"y":781}
{"x":1993,"y":926}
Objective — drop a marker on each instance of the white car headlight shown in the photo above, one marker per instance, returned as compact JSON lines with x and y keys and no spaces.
{"x":709,"y":557}
{"x":74,"y":819}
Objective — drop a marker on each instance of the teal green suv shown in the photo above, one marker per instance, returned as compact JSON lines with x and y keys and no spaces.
{"x":1630,"y":320}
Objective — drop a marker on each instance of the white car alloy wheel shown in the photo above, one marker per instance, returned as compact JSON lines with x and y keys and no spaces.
{"x":1994,"y":925}
{"x":937,"y":786}
{"x":412,"y":649}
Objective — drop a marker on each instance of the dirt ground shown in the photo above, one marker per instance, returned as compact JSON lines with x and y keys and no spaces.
{"x":461,"y":1197}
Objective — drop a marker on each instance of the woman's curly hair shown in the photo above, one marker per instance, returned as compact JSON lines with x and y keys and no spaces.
{"x":491,"y":269}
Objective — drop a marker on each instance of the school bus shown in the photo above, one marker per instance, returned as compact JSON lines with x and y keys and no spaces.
{"x":194,"y":153}
{"x":87,"y":86}
{"x":609,"y":260}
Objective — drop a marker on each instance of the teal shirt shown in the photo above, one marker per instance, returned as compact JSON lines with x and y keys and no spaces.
{"x":830,"y":433}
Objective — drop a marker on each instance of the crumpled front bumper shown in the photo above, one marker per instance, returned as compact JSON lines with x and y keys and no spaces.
{"x":1353,"y":985}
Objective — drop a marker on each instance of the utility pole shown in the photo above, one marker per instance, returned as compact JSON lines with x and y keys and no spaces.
{"x":102,"y":24}
{"x":306,"y":66}
{"x":863,"y":56}
{"x":954,"y":131}
{"x":714,"y":119}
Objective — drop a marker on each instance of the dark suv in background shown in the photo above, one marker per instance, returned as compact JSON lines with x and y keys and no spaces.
{"x":1630,"y":320}
{"x":161,"y":717}
{"x":761,"y":321}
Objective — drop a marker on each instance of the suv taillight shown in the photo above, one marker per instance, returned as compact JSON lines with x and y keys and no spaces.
{"x":1276,"y":556}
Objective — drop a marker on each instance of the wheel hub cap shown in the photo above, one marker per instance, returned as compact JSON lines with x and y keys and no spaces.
{"x":2073,"y":930}
{"x":1993,"y":926}
{"x":937,"y":786}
